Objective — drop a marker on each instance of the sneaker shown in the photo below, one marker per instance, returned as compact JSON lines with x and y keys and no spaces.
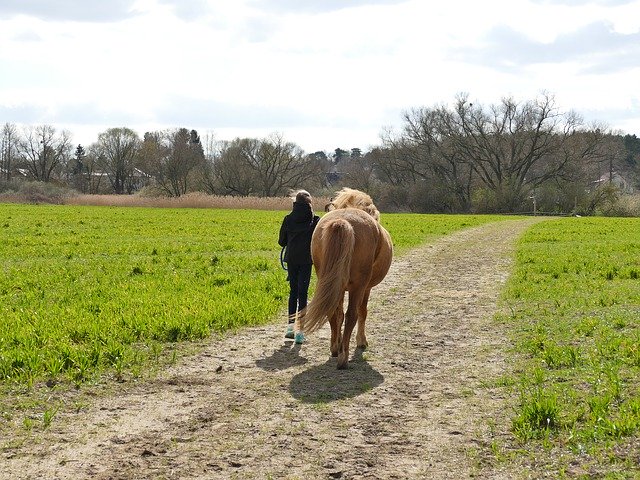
{"x":289,"y":333}
{"x":299,"y":337}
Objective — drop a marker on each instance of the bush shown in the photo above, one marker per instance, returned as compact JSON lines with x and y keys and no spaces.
{"x":7,"y":187}
{"x":622,"y":206}
{"x":484,"y":200}
{"x":151,"y":191}
{"x":34,"y":192}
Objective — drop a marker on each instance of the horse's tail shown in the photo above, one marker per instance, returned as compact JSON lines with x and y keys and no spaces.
{"x":338,"y":241}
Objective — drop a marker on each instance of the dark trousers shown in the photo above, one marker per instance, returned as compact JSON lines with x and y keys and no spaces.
{"x":299,"y":277}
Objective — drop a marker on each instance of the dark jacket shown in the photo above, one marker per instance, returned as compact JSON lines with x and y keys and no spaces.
{"x":295,"y":233}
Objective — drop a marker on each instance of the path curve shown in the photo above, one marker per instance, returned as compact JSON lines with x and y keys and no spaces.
{"x":253,"y":405}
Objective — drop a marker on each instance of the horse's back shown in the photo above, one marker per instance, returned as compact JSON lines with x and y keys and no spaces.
{"x":364,"y":226}
{"x":372,"y":251}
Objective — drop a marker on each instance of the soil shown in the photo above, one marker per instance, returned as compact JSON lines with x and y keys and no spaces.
{"x":419,"y":403}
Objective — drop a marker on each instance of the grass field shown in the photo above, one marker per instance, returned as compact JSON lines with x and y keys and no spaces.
{"x":104,"y":292}
{"x":573,"y":305}
{"x":90,"y":289}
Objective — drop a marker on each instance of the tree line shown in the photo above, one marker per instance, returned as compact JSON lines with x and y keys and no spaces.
{"x":506,"y":157}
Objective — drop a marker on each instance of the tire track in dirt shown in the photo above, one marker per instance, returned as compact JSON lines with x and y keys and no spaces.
{"x":252,"y":405}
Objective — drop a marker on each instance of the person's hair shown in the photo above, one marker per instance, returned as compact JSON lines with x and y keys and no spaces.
{"x":302,"y":196}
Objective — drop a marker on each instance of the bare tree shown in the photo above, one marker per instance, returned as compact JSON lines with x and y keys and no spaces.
{"x":76,"y":173}
{"x":43,"y":151}
{"x":509,"y":148}
{"x":268,"y":167}
{"x":280,"y":165}
{"x":7,"y":150}
{"x":358,"y":172}
{"x":615,"y":154}
{"x":424,"y":154}
{"x":232,"y":173}
{"x":515,"y":147}
{"x":93,"y":172}
{"x":170,"y":157}
{"x":207,"y":180}
{"x":116,"y":151}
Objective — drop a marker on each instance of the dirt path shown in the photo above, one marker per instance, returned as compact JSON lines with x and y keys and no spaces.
{"x":253,"y":405}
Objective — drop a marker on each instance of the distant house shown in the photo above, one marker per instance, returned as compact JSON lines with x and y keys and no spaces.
{"x":616,"y":179}
{"x":140,"y":179}
{"x":332,"y":177}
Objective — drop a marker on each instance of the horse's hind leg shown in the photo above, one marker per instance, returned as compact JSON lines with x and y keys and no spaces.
{"x":351,"y":318}
{"x":336,"y":329}
{"x":361,"y":338}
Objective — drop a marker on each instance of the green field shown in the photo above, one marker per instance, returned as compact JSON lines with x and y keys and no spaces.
{"x":90,"y":289}
{"x":573,"y":307}
{"x":90,"y":293}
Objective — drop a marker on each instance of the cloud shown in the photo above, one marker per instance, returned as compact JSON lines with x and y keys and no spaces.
{"x":257,"y":29}
{"x":187,"y":9}
{"x":579,"y":3}
{"x":27,"y":37}
{"x":624,"y":117}
{"x":73,"y":10}
{"x":213,"y":114}
{"x":65,"y":115}
{"x":297,"y":6}
{"x":25,"y":114}
{"x":597,"y":46}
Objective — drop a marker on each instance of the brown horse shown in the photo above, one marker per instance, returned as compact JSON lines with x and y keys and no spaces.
{"x":352,"y":253}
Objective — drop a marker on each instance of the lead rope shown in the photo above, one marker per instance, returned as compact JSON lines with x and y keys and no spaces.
{"x":282,"y":262}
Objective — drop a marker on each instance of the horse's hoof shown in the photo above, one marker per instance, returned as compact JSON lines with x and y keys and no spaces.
{"x":363,"y":347}
{"x":343,"y":360}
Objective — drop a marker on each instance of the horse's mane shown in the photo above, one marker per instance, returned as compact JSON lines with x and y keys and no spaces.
{"x":351,"y":198}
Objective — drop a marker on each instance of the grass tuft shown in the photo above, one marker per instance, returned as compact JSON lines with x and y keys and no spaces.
{"x":572,"y":304}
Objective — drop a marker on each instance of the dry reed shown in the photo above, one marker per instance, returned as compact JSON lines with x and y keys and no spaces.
{"x":191,"y":200}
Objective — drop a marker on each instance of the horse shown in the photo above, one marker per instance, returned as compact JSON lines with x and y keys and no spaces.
{"x":351,"y":252}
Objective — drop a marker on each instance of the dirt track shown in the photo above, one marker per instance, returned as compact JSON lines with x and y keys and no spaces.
{"x":254,"y":405}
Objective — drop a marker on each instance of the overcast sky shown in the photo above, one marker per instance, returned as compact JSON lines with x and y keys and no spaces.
{"x":323,"y":73}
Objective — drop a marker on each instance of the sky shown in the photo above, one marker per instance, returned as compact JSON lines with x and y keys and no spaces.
{"x":321,"y":74}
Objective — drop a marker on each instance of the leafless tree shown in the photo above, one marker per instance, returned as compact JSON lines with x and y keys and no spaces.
{"x":7,"y":150}
{"x":280,"y":165}
{"x":43,"y":151}
{"x":267,"y":167}
{"x":92,"y":170}
{"x":509,"y":148}
{"x":207,"y":179}
{"x":515,"y":147}
{"x":358,"y":172}
{"x":232,"y":172}
{"x":170,"y":157}
{"x":116,"y":151}
{"x":423,"y":153}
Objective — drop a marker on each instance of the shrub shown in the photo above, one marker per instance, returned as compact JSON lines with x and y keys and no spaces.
{"x":41,"y":192}
{"x":624,"y":206}
{"x":34,"y":192}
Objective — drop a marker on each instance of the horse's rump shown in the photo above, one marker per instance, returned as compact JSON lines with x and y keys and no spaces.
{"x":332,"y":249}
{"x":344,"y":248}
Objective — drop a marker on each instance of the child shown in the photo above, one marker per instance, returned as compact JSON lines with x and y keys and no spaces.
{"x":295,"y":234}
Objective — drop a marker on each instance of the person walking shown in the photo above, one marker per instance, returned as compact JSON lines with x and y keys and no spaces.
{"x":295,"y":238}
